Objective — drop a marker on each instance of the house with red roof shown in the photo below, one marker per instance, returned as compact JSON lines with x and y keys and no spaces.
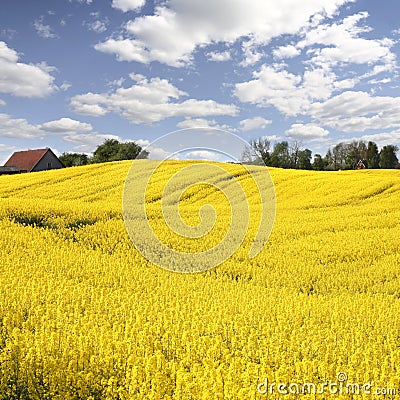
{"x":361,"y":164}
{"x":31,"y":161}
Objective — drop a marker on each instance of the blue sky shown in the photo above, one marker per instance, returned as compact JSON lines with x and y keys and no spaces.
{"x":75,"y":72}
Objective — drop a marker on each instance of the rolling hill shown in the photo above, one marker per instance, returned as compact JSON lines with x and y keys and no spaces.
{"x":83,"y":315}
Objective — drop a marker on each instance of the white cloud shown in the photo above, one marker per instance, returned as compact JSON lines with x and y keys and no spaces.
{"x":379,"y":81}
{"x":2,"y":102}
{"x":128,"y":5}
{"x":65,"y":86}
{"x":148,"y":101}
{"x":251,"y":53}
{"x":65,"y":125}
{"x":89,"y":104}
{"x":288,"y":51}
{"x":273,"y":138}
{"x":87,"y":142}
{"x":268,"y":85}
{"x":358,"y":111}
{"x":346,"y":83}
{"x":8,"y":33}
{"x":7,"y":53}
{"x":293,"y":94}
{"x":193,"y":123}
{"x":202,"y":155}
{"x":88,"y":2}
{"x":290,"y":94}
{"x":137,"y":77}
{"x":157,"y":153}
{"x":69,"y":129}
{"x":383,"y":138}
{"x":116,"y":83}
{"x":251,"y":124}
{"x":5,"y":148}
{"x":5,"y":152}
{"x":98,"y":26}
{"x":23,"y":80}
{"x":307,"y":131}
{"x":44,"y":31}
{"x":18,"y":128}
{"x":272,"y":87}
{"x":343,"y":44}
{"x":218,"y":57}
{"x":202,"y":22}
{"x":141,"y":142}
{"x":330,"y":47}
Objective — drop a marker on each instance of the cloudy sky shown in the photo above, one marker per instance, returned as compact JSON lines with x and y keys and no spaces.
{"x":75,"y":72}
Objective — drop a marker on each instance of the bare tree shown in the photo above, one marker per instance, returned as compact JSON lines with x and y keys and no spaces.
{"x":248,"y":155}
{"x":257,"y":150}
{"x":295,"y":148}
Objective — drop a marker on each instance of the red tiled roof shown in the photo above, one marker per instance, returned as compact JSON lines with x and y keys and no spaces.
{"x":26,"y":160}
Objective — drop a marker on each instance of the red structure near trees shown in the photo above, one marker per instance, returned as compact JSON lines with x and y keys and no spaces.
{"x":31,"y":161}
{"x":360,"y":165}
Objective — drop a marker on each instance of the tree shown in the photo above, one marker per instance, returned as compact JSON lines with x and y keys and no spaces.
{"x":362,"y":150}
{"x":128,"y":151}
{"x":329,"y":161}
{"x":280,"y":156}
{"x":372,"y":155}
{"x":258,"y":151}
{"x":388,"y":158}
{"x":318,"y":164}
{"x":347,"y":155}
{"x":113,"y":150}
{"x":339,"y":156}
{"x":284,"y":155}
{"x":73,"y":159}
{"x":248,"y":156}
{"x":294,"y":151}
{"x":106,"y":151}
{"x":354,"y":152}
{"x":304,"y":159}
{"x":143,"y":154}
{"x":299,"y":158}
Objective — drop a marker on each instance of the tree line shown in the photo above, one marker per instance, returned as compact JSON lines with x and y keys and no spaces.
{"x":342,"y":156}
{"x":260,"y":151}
{"x":110,"y":150}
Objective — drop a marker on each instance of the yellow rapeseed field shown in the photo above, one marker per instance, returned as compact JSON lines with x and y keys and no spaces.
{"x":83,"y":315}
